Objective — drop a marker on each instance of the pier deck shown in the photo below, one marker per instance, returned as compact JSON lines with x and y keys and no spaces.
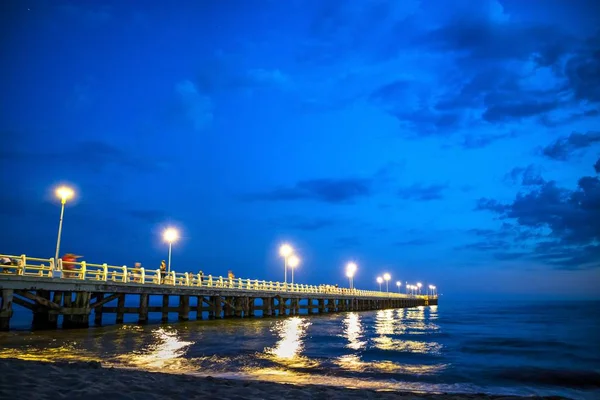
{"x":76,"y":290}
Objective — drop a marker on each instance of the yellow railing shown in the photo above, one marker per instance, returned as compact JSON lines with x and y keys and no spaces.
{"x":47,"y":268}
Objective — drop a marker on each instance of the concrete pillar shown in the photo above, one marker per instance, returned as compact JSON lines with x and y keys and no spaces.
{"x":43,"y":317}
{"x":97,"y":310}
{"x":165,"y":308}
{"x":120,"y":309}
{"x":251,"y":306}
{"x":199,"y":306}
{"x":143,"y":315}
{"x":184,"y":308}
{"x":6,"y":311}
{"x":77,"y":316}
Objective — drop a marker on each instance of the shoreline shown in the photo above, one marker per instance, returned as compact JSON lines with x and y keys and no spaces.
{"x":91,"y":380}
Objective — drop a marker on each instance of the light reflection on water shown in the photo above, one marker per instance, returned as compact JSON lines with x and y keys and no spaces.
{"x":418,"y":349}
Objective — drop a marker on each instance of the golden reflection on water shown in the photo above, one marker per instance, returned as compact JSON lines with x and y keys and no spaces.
{"x":354,"y":332}
{"x":353,"y":362}
{"x":291,"y":334}
{"x":166,"y":352}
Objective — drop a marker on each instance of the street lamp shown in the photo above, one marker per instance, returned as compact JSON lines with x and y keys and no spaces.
{"x":398,"y":283}
{"x":64,"y":193}
{"x":170,"y":235}
{"x":387,"y":278}
{"x":350,"y":271}
{"x":419,"y":286}
{"x":380,"y":281}
{"x":285,"y":251}
{"x":293,"y":262}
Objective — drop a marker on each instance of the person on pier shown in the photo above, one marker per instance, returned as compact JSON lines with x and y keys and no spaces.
{"x":163,"y":271}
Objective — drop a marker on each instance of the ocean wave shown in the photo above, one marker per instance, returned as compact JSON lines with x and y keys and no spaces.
{"x":554,"y":377}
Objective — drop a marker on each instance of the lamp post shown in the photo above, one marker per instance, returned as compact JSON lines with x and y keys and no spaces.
{"x":170,"y":235}
{"x":285,"y":251}
{"x":419,"y":286}
{"x":64,"y":193}
{"x":350,"y":271}
{"x":293,"y":262}
{"x":380,"y":281}
{"x":387,"y":278}
{"x":398,"y":284}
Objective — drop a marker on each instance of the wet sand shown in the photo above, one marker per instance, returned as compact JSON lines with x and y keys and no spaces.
{"x":89,"y":380}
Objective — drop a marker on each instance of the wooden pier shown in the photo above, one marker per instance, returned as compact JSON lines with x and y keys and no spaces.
{"x":50,"y":291}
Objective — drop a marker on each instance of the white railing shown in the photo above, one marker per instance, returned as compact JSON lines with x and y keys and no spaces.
{"x":48,"y":269}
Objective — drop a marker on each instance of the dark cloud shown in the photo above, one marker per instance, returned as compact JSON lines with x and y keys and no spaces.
{"x":335,"y":191}
{"x":422,"y":193}
{"x":490,"y":39}
{"x":347,"y":242}
{"x":517,"y":109}
{"x":476,"y":142}
{"x":567,"y":215}
{"x":597,"y":166}
{"x":583,"y":71}
{"x":149,"y":216}
{"x":565,"y":147}
{"x":528,"y":176}
{"x":413,"y":242}
{"x":309,"y":224}
{"x":91,"y":155}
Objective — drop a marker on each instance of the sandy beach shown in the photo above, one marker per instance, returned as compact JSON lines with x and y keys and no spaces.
{"x":77,"y":380}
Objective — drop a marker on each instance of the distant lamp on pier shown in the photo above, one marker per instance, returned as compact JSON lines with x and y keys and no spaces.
{"x":380,"y":281}
{"x":419,"y":286}
{"x":285,"y":251}
{"x":293,"y":262}
{"x":64,"y":193}
{"x":398,"y":284}
{"x":350,"y":271}
{"x":170,"y":235}
{"x":387,"y":278}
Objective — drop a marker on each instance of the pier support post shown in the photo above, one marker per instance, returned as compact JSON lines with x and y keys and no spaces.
{"x":228,"y":309}
{"x":120,"y":309}
{"x":165,"y":308}
{"x":97,"y":310}
{"x":251,"y":305}
{"x":267,"y":306}
{"x":143,"y":315}
{"x":321,"y":308}
{"x":199,"y":305}
{"x":6,"y":310}
{"x":79,"y":315}
{"x":309,"y":307}
{"x":281,"y":306}
{"x":184,"y":308}
{"x":43,"y":317}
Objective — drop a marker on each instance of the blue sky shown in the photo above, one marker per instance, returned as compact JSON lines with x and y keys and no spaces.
{"x":448,"y":142}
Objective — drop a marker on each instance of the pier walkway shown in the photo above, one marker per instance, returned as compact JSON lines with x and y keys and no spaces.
{"x":51,"y":289}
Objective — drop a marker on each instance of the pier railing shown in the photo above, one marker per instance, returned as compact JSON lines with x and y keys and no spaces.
{"x":47,"y":268}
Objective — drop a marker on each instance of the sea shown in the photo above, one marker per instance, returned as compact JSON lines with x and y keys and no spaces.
{"x":460,"y":346}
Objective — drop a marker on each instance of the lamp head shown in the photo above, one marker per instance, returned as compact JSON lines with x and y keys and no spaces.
{"x":170,"y":235}
{"x":294,"y":261}
{"x":64,"y":193}
{"x":379,"y":279}
{"x":285,"y":250}
{"x":387,"y":276}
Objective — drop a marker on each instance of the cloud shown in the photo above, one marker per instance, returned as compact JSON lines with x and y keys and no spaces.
{"x":528,"y":176}
{"x":471,"y":141}
{"x":567,"y":216}
{"x":517,"y":109}
{"x":92,"y":155}
{"x":565,"y":147}
{"x":149,"y":216}
{"x":413,"y":242}
{"x":198,"y":107}
{"x":583,"y":71}
{"x":334,"y":191}
{"x":305,"y":224}
{"x":347,"y":242}
{"x":422,"y":193}
{"x":597,"y":166}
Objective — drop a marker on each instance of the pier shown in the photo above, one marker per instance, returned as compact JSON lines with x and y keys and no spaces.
{"x":51,"y":289}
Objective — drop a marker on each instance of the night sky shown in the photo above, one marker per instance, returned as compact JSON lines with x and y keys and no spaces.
{"x":453,"y":143}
